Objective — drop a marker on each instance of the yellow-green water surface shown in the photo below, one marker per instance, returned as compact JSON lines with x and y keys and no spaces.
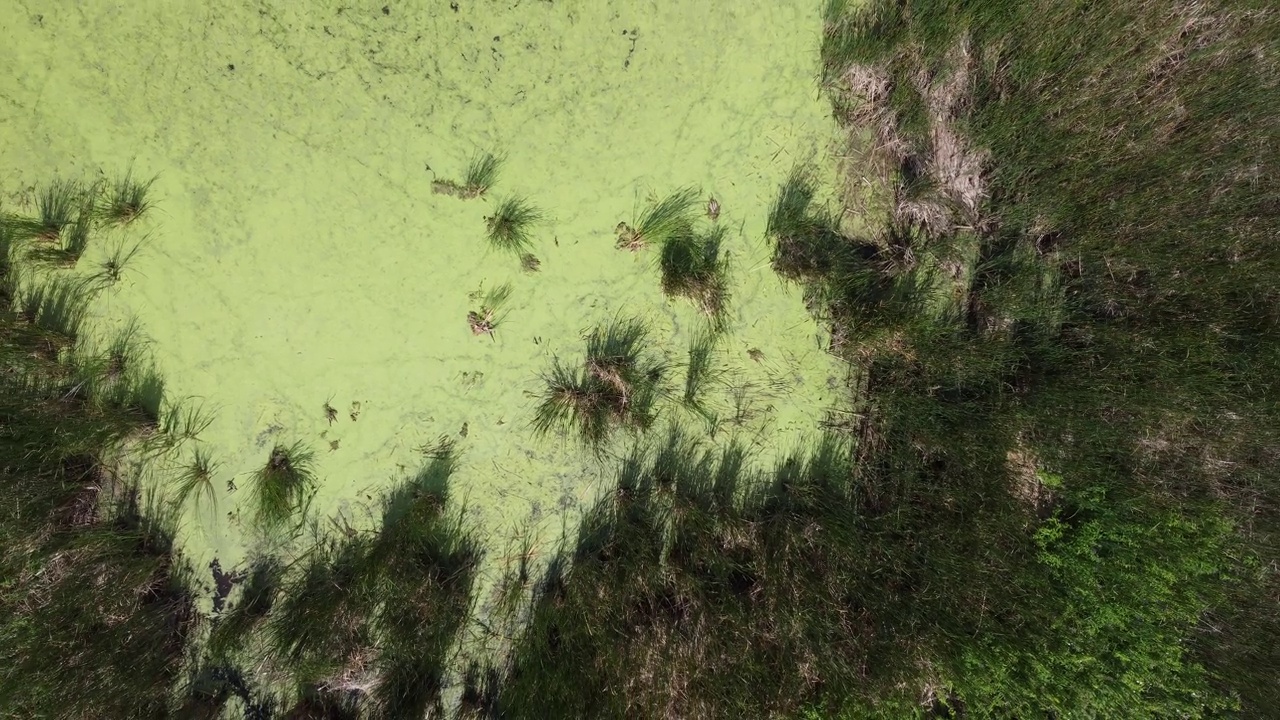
{"x":297,"y":254}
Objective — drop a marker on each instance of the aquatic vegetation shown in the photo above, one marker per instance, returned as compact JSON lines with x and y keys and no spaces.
{"x":108,"y":373}
{"x":508,"y":227}
{"x":516,"y":577}
{"x":125,"y":200}
{"x":429,"y":562}
{"x":806,"y":242}
{"x":58,"y":305}
{"x":482,"y":173}
{"x":616,"y":385}
{"x":699,"y":369}
{"x":57,"y":205}
{"x":195,"y":480}
{"x":282,"y":486}
{"x":670,"y":216}
{"x":530,"y":262}
{"x":9,"y":276}
{"x":319,"y":626}
{"x":184,"y":420}
{"x":117,"y":260}
{"x":71,"y":241}
{"x":487,"y":319}
{"x":375,"y":616}
{"x":693,"y":267}
{"x":480,"y":690}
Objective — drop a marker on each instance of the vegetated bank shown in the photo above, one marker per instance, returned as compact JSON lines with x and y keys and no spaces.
{"x":1058,"y":495}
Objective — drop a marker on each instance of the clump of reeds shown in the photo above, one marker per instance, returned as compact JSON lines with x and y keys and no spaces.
{"x":57,"y":205}
{"x":699,"y":369}
{"x":373,"y":617}
{"x":429,"y":563}
{"x":320,"y":625}
{"x":487,"y":319}
{"x":125,"y":200}
{"x":516,"y":576}
{"x":112,"y":267}
{"x":694,"y":267}
{"x":71,"y":241}
{"x":195,"y":481}
{"x":616,"y":385}
{"x":509,"y":225}
{"x":805,"y":240}
{"x":283,"y":484}
{"x":482,"y":173}
{"x":481,"y":687}
{"x":58,"y":306}
{"x":116,"y":375}
{"x":670,"y":216}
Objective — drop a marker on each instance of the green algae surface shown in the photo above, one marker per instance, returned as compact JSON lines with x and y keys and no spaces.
{"x":298,"y":257}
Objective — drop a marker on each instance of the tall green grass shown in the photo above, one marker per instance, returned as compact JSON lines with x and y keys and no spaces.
{"x":95,"y":610}
{"x":616,"y":386}
{"x":1120,"y":233}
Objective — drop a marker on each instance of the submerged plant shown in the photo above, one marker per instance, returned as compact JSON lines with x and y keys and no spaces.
{"x":508,"y":226}
{"x":485,"y":320}
{"x":196,"y":480}
{"x":693,"y":267}
{"x":482,"y":173}
{"x":281,"y":486}
{"x":670,"y":216}
{"x":125,"y":200}
{"x":616,"y":385}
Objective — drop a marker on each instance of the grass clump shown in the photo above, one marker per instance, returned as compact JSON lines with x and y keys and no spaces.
{"x":671,"y":216}
{"x":57,"y":206}
{"x":490,"y":315}
{"x":112,"y":267}
{"x":58,"y":306}
{"x":805,"y":241}
{"x":508,"y":227}
{"x":699,"y":369}
{"x":283,"y":485}
{"x":125,"y":200}
{"x":71,"y":242}
{"x":694,"y":267}
{"x":481,"y":174}
{"x":195,"y":480}
{"x":616,"y":385}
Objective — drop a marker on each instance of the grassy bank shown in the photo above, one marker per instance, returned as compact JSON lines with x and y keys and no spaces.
{"x":1056,"y":496}
{"x":95,"y":611}
{"x":1080,"y":201}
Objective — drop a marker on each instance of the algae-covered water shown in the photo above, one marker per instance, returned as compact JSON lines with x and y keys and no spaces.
{"x":298,"y":255}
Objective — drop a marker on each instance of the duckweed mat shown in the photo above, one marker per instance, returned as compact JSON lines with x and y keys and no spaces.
{"x":301,"y":279}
